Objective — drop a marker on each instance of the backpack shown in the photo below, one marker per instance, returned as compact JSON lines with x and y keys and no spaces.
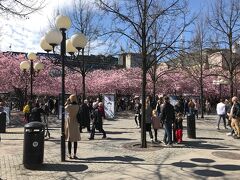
{"x":26,"y":109}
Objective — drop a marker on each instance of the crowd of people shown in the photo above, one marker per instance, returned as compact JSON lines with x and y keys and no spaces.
{"x":163,"y":114}
{"x":78,"y":116}
{"x":160,"y":113}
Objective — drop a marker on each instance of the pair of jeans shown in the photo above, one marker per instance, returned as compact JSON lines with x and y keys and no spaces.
{"x":223,"y":116}
{"x":168,"y":133}
{"x":95,"y":125}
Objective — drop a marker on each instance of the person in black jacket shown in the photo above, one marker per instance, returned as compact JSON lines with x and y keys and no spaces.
{"x":168,"y":117}
{"x":85,"y":116}
{"x":36,"y":113}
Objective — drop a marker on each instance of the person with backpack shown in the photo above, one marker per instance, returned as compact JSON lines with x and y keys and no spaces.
{"x":221,"y":112}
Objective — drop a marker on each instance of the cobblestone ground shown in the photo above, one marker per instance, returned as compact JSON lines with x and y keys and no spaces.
{"x":212,"y":155}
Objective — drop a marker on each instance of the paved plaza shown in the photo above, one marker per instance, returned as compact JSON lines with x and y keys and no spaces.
{"x":212,"y":155}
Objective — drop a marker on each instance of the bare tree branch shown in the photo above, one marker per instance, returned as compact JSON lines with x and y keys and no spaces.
{"x":20,"y":8}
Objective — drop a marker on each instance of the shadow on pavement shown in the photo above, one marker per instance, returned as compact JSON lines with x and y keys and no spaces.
{"x":208,"y":173}
{"x":119,"y":139}
{"x":202,"y":160}
{"x":209,"y":138}
{"x":115,"y":158}
{"x":63,"y":167}
{"x":200,"y":172}
{"x":227,"y":167}
{"x":118,"y":132}
{"x":203,"y":145}
{"x":126,"y":128}
{"x":184,"y":164}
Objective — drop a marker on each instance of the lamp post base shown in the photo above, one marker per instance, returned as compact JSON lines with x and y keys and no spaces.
{"x":63,"y":148}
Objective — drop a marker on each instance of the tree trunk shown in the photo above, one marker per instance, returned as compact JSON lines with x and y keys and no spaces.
{"x":154,"y":82}
{"x":231,"y":85}
{"x":201,"y":87}
{"x":144,"y":76}
{"x":201,"y":99}
{"x":154,"y":90}
{"x":144,"y":81}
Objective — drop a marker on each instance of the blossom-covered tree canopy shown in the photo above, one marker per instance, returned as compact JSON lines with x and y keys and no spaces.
{"x":124,"y":81}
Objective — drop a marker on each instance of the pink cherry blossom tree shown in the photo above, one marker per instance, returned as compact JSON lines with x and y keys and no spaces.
{"x":124,"y":81}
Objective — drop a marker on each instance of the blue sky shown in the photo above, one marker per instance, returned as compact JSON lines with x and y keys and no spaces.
{"x":25,"y":34}
{"x":197,"y":5}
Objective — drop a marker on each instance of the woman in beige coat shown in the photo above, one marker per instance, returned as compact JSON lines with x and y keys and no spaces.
{"x":72,"y":133}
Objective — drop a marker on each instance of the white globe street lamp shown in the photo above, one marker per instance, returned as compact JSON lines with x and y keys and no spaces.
{"x":45,"y":46}
{"x":77,"y":42}
{"x":54,"y":37}
{"x":70,"y":48}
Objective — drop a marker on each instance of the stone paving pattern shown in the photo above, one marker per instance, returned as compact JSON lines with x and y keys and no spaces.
{"x":213,"y":155}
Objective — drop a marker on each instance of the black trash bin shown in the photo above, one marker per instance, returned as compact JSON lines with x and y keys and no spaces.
{"x":2,"y":122}
{"x":33,"y":146}
{"x":191,"y":127}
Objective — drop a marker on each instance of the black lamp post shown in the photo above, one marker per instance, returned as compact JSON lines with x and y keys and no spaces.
{"x":53,"y":38}
{"x":33,"y":67}
{"x":236,"y":52}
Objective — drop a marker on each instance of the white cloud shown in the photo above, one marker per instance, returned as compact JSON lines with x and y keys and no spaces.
{"x":24,"y":34}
